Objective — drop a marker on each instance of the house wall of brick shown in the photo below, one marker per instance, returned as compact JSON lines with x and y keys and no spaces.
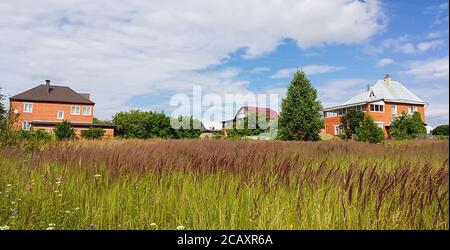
{"x":386,"y":116}
{"x":48,"y":112}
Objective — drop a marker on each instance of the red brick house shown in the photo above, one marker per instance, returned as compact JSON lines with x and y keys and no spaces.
{"x":383,"y":101}
{"x":45,"y":105}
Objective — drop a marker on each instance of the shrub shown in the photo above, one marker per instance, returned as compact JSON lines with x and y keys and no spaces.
{"x":368,"y":131}
{"x":441,"y":130}
{"x":350,"y":123}
{"x":64,"y":131}
{"x":92,"y":133}
{"x":407,"y":127}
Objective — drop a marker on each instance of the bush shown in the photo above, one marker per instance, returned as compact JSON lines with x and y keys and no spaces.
{"x":350,"y":123}
{"x":407,"y":127}
{"x":64,"y":131}
{"x":441,"y":130}
{"x":368,"y":131}
{"x":93,"y":133}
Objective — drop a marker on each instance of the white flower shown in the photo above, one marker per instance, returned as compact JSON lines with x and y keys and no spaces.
{"x":153,"y":224}
{"x":8,"y":185}
{"x":51,"y":224}
{"x":77,"y":208}
{"x":67,"y":212}
{"x":56,"y":191}
{"x":58,"y":182}
{"x":5,"y":227}
{"x":50,"y":228}
{"x":181,"y":227}
{"x":97,"y":175}
{"x":60,"y":195}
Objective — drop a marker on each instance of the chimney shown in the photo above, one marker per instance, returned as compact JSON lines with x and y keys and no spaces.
{"x":47,"y":84}
{"x":387,"y":79}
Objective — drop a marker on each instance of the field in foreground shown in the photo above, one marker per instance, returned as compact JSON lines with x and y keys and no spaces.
{"x":196,"y":184}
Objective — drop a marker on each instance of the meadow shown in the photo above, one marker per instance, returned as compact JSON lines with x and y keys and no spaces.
{"x":220,"y":184}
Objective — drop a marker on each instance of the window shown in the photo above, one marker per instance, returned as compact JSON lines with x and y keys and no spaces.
{"x":394,"y":109}
{"x":87,"y":110}
{"x":412,"y":109}
{"x":376,"y":108}
{"x":28,"y":108}
{"x":331,"y":114}
{"x":26,"y":125}
{"x":60,"y":115}
{"x":337,"y":129}
{"x":380,"y":124}
{"x":75,"y":110}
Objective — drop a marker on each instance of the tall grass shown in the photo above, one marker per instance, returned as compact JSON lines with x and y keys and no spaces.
{"x":128,"y":184}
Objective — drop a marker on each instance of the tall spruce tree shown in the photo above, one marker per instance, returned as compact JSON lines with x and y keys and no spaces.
{"x":300,"y":117}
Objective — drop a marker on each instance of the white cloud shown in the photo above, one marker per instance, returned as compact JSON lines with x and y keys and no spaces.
{"x":338,"y":91}
{"x":385,"y":61}
{"x":308,"y":69}
{"x":429,"y":69}
{"x":259,"y":70}
{"x":425,"y":46}
{"x":117,"y":49}
{"x":403,"y":44}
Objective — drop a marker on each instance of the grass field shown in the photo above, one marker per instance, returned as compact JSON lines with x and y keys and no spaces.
{"x":203,"y":184}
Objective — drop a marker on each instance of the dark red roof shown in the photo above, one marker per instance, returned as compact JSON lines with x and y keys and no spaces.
{"x":52,"y":93}
{"x":272,"y":114}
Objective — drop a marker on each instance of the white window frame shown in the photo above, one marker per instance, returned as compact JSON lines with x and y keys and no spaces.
{"x":71,"y":110}
{"x":26,"y":125}
{"x":25,"y":110}
{"x":57,"y":115}
{"x":337,"y":129}
{"x":394,"y":108}
{"x":412,"y":109}
{"x":379,"y":105}
{"x":380,"y":123}
{"x":86,"y":108}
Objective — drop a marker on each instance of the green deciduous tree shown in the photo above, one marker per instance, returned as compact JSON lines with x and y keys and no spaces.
{"x":64,"y":131}
{"x":350,"y":122}
{"x":368,"y":131}
{"x":407,"y":126}
{"x":300,"y":117}
{"x":148,"y":124}
{"x":441,"y":130}
{"x":3,"y":113}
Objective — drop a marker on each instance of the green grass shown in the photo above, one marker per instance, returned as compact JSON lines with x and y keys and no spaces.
{"x":225,"y":185}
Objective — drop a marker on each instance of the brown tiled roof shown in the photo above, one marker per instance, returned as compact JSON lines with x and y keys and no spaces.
{"x":52,"y":93}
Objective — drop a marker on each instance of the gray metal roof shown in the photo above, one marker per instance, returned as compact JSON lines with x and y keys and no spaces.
{"x":386,"y":90}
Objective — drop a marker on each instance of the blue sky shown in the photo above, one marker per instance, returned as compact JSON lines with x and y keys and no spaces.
{"x":138,"y":55}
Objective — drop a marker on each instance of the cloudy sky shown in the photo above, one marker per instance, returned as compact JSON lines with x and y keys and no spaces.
{"x":137,"y":54}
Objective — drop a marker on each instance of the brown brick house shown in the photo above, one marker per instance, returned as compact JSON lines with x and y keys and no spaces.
{"x":43,"y":106}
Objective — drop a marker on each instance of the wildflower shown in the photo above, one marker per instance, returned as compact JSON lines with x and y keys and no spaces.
{"x":67,"y":212}
{"x":8,"y":185}
{"x":13,"y":202}
{"x":77,"y":208}
{"x":97,"y":175}
{"x":5,"y":227}
{"x":51,"y":224}
{"x":56,"y":191}
{"x":181,"y":227}
{"x":50,"y":228}
{"x":58,"y":182}
{"x":60,"y":195}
